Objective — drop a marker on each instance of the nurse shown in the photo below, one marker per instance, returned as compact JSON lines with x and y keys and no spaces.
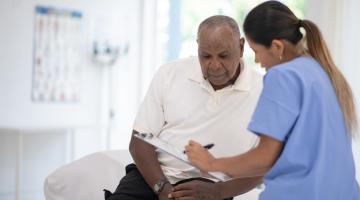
{"x":305,"y":116}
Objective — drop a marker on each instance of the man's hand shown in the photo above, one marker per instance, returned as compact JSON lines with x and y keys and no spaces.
{"x":196,"y":190}
{"x":164,"y":194}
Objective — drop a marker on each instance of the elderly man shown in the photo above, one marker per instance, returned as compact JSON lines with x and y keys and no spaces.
{"x":209,"y":99}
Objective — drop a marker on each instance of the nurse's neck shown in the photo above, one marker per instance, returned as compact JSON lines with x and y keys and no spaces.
{"x":291,"y":51}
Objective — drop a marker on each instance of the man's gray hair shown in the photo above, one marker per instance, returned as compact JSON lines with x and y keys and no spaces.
{"x":220,"y":20}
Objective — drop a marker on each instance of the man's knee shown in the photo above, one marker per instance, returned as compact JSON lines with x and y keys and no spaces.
{"x":132,"y":187}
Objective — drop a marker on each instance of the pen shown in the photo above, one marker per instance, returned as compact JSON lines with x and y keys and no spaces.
{"x":208,"y":146}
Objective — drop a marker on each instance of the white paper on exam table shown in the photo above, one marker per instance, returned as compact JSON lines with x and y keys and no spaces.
{"x":167,"y":148}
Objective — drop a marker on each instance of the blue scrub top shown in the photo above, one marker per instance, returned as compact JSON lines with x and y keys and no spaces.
{"x":298,"y":106}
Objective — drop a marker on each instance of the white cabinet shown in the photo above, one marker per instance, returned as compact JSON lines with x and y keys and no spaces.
{"x":28,"y":155}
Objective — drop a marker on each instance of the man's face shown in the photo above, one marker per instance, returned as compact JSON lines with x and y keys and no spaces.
{"x":219,"y":52}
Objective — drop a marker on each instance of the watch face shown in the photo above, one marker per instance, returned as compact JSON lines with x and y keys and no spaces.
{"x":159,"y":186}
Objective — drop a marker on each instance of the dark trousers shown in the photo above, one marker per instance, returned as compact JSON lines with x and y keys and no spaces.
{"x":133,"y":187}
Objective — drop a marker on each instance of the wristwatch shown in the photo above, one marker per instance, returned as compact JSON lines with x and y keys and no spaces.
{"x":159,"y":186}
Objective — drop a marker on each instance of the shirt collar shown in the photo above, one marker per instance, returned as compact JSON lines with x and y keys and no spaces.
{"x":242,"y":83}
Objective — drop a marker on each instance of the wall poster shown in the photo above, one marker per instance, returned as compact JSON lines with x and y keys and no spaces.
{"x":57,"y":55}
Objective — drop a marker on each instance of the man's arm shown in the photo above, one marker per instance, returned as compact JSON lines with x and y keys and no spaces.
{"x":146,"y":160}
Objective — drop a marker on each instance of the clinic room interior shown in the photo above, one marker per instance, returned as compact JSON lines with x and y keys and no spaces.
{"x":73,"y":74}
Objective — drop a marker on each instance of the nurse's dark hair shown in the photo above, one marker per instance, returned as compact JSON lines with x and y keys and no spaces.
{"x":273,"y":20}
{"x":220,"y":20}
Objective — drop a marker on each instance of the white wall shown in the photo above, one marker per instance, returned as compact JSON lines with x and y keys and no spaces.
{"x":46,"y":142}
{"x":123,"y":102}
{"x":350,"y":61}
{"x":16,"y":21}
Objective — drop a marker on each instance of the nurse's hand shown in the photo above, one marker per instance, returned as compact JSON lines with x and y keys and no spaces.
{"x":199,"y":156}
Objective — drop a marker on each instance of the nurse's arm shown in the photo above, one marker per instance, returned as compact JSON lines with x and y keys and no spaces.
{"x":255,"y":162}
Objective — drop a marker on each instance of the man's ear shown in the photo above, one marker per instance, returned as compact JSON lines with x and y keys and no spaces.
{"x":277,"y":47}
{"x":241,"y":43}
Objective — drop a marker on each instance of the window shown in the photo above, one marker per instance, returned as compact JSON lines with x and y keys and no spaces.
{"x":179,"y":39}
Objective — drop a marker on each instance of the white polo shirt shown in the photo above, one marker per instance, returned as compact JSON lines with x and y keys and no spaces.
{"x":181,"y":105}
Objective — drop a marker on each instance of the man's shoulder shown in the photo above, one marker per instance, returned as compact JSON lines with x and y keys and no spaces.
{"x":181,"y":65}
{"x":256,"y":75}
{"x":179,"y":69}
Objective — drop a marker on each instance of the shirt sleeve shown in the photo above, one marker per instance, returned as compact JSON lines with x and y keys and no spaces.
{"x":278,"y":106}
{"x":150,"y":117}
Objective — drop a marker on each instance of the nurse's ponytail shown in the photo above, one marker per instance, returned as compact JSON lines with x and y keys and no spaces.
{"x":318,"y":49}
{"x":273,"y":20}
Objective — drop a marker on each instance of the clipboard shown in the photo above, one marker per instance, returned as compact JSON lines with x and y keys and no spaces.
{"x":169,"y":149}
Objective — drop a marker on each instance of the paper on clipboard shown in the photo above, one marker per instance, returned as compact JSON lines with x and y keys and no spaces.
{"x":167,"y":148}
